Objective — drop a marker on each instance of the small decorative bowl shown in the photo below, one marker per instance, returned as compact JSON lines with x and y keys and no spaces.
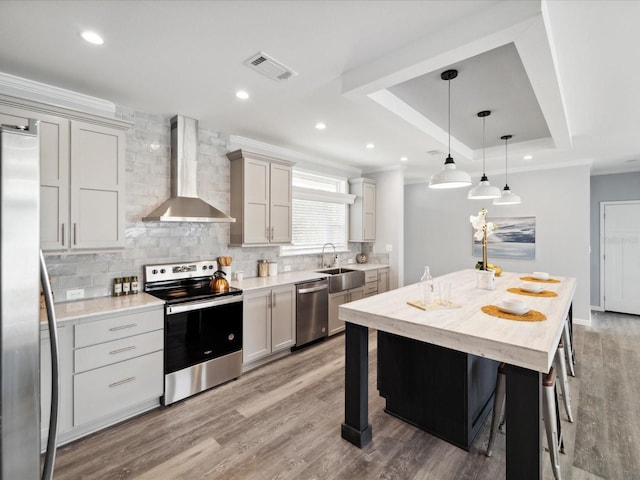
{"x":361,"y":258}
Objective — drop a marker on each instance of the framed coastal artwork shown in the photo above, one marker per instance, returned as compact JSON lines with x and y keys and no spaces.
{"x":515,"y":237}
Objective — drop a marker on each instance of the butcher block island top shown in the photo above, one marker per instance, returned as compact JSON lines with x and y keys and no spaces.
{"x":466,"y":328}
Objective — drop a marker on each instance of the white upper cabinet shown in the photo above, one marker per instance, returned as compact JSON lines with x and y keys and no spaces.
{"x":362,"y":214}
{"x":82,"y":175}
{"x":260,"y":200}
{"x":97,"y":186}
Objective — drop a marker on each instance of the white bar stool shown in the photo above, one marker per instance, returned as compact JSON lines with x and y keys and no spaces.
{"x":549,"y":408}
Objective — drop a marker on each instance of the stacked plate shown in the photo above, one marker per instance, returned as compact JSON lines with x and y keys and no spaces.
{"x":512,"y":306}
{"x":540,"y":275}
{"x":531,"y":287}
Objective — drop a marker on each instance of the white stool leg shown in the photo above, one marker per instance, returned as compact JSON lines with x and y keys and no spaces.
{"x":498,"y":407}
{"x":564,"y":380}
{"x":566,"y":338}
{"x":550,"y":420}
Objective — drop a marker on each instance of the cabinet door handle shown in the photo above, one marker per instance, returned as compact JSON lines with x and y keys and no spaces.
{"x":122,"y":327}
{"x":272,"y":233}
{"x":75,"y":233}
{"x":123,"y":349}
{"x":62,"y":234}
{"x":273,"y":295}
{"x":121,"y":382}
{"x":267,"y":233}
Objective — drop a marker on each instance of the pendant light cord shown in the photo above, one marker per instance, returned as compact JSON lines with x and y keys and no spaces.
{"x":483,"y":123}
{"x":506,"y":162}
{"x":449,"y":126}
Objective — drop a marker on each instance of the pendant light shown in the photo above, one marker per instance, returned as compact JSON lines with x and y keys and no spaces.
{"x":449,"y":176}
{"x":484,"y":190}
{"x":508,"y":197}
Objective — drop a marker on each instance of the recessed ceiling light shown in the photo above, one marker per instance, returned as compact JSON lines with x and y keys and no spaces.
{"x":528,"y":157}
{"x":370,"y":146}
{"x":242,"y":95}
{"x":320,"y":126}
{"x":92,"y":37}
{"x":403,"y":159}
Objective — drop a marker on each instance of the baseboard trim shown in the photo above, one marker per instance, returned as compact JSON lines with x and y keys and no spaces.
{"x":597,"y":308}
{"x":582,"y":321}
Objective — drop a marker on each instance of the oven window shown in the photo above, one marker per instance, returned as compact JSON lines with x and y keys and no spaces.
{"x":200,"y":335}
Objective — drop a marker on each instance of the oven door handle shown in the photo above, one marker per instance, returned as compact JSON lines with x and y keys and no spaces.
{"x":190,"y":306}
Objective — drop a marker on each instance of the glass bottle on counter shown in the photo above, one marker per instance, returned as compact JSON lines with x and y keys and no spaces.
{"x":117,"y":287}
{"x":134,"y":284}
{"x":126,"y":286}
{"x":426,"y":287}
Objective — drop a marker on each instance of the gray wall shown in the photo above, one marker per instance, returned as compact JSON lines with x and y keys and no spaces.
{"x":438,"y":232}
{"x":148,"y":185}
{"x":389,"y":221}
{"x":618,"y":187}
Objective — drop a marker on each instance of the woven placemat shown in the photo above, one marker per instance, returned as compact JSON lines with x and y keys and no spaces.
{"x":432,"y":306}
{"x":543,"y":293}
{"x":530,"y":316}
{"x":531,"y":279}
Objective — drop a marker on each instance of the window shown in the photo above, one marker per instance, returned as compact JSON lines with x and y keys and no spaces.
{"x":319,"y":213}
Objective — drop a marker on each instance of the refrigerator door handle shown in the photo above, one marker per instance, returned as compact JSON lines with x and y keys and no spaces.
{"x":50,"y":456}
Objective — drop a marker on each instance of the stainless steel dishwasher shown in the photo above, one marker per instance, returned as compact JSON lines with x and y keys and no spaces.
{"x":312,"y":311}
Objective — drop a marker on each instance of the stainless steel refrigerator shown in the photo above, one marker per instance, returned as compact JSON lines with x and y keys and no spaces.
{"x":23,"y":268}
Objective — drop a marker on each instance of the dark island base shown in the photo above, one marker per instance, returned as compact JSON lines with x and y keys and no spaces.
{"x":442,"y":391}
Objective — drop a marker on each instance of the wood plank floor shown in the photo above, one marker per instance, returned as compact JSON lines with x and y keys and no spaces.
{"x":282,"y":421}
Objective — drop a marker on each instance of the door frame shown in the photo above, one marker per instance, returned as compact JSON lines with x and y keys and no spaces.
{"x":602,"y":243}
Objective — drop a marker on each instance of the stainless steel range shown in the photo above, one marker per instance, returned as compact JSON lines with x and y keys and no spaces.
{"x":203,"y":330}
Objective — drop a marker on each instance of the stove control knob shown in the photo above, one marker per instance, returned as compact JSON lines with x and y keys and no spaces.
{"x":231,"y":337}
{"x":154,"y":271}
{"x":210,"y":267}
{"x":204,"y":267}
{"x":162,"y":270}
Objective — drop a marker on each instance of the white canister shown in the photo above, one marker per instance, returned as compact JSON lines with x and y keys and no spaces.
{"x":273,"y":268}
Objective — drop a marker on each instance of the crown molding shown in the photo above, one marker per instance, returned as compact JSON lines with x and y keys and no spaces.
{"x":49,"y":94}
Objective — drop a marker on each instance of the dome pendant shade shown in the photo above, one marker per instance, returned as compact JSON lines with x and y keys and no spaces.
{"x":484,"y":190}
{"x":449,"y":176}
{"x":507,"y":197}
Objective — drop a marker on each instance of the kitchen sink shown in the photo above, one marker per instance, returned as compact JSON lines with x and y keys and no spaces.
{"x":342,"y":279}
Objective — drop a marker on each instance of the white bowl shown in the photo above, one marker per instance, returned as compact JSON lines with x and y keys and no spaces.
{"x":531,"y":287}
{"x":512,"y":302}
{"x":540,"y":275}
{"x":509,"y":307}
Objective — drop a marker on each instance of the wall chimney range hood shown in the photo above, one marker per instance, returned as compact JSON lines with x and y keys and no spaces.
{"x":184,"y":205}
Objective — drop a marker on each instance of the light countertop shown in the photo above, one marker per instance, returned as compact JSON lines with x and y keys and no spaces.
{"x":256,"y":283}
{"x":527,"y":344}
{"x":102,"y":305}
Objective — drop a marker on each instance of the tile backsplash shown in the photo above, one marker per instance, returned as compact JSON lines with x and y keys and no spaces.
{"x":148,"y":185}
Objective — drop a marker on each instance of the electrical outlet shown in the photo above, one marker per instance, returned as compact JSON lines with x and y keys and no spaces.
{"x":350,"y":260}
{"x":389,"y":248}
{"x":75,"y":294}
{"x":287,"y":268}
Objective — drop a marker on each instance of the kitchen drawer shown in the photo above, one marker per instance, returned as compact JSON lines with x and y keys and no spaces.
{"x":371,"y":287}
{"x":113,"y":328}
{"x":96,"y":356}
{"x":108,"y":390}
{"x":371,"y":276}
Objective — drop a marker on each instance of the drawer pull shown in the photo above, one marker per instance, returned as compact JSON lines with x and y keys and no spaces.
{"x":120,"y":350}
{"x":122,"y":327}
{"x":122,"y":382}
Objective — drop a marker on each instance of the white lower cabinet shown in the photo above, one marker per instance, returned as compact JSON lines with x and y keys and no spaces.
{"x":108,"y":390}
{"x":337,"y":299}
{"x":383,"y":280}
{"x":65,"y":367}
{"x":269,"y":322}
{"x":111,"y":368}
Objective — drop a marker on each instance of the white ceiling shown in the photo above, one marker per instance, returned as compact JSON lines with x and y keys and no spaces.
{"x":561,"y":76}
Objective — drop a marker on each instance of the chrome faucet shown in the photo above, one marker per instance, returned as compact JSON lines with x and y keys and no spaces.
{"x":332,"y":263}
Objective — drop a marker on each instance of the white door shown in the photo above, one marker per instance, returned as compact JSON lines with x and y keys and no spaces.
{"x":621,"y":238}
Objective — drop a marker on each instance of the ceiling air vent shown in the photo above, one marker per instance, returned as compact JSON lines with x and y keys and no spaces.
{"x":269,"y":67}
{"x":435,"y":152}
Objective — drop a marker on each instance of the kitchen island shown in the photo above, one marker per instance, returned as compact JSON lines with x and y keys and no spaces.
{"x":528,"y":348}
